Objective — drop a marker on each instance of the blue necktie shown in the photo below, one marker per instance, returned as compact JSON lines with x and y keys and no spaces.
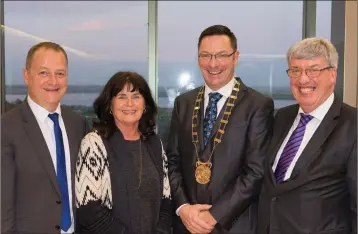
{"x":291,"y":148}
{"x":61,"y":173}
{"x":210,"y":115}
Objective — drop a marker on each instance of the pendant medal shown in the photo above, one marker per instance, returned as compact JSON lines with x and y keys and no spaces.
{"x":203,"y":172}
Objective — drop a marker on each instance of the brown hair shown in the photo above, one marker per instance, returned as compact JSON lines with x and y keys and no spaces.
{"x":45,"y":45}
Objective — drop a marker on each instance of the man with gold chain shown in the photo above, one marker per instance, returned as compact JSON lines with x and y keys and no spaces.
{"x":217,"y":144}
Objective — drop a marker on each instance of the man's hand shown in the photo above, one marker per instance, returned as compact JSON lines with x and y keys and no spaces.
{"x":207,"y":217}
{"x":189,"y":214}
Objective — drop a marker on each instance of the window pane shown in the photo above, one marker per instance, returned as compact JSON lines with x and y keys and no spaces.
{"x":323,"y":19}
{"x":264,"y":30}
{"x":98,"y":37}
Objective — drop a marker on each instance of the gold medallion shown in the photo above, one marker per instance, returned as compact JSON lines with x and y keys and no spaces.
{"x":203,"y":172}
{"x":203,"y":169}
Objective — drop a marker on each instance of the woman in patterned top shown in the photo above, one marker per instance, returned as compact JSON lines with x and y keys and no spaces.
{"x":122,"y":182}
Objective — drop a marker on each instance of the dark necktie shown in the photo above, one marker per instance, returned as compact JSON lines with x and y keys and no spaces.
{"x":291,"y":148}
{"x":210,"y":115}
{"x":61,"y":173}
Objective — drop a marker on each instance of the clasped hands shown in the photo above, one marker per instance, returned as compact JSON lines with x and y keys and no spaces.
{"x":197,"y":218}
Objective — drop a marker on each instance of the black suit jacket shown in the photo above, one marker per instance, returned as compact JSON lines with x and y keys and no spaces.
{"x":29,"y":187}
{"x":237,"y":169}
{"x":321,"y":194}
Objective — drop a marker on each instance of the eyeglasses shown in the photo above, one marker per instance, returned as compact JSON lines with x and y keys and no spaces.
{"x":219,"y":57}
{"x":310,"y":72}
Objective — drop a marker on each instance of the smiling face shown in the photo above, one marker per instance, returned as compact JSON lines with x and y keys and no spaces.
{"x":217,"y":72}
{"x":46,"y":78}
{"x":311,"y":92}
{"x":127,"y":107}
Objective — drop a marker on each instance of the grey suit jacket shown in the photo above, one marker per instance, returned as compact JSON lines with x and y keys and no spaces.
{"x":30,"y":194}
{"x":238,"y":161}
{"x":320,"y":197}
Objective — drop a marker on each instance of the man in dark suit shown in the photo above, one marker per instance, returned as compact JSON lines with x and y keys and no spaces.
{"x":39,"y":145}
{"x":310,"y":183}
{"x":217,"y":144}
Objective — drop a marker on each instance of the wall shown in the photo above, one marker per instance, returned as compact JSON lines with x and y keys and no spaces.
{"x":350,"y":66}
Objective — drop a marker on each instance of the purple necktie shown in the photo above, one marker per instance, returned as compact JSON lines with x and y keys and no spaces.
{"x":291,"y":148}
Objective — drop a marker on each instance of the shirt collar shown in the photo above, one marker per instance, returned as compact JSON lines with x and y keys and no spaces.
{"x":322,"y":109}
{"x":41,"y":113}
{"x":225,"y":90}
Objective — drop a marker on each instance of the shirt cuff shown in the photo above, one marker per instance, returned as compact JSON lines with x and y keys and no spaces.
{"x":177,"y":211}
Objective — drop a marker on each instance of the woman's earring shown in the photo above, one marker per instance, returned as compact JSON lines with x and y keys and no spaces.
{"x":145,"y":110}
{"x":110,"y":111}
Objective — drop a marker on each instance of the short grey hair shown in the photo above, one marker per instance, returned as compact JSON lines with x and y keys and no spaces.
{"x":314,"y":47}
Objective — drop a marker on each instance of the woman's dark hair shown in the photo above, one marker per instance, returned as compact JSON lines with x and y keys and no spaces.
{"x":106,"y":125}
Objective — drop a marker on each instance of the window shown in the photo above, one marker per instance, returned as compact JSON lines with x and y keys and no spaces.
{"x":100,"y":38}
{"x":264,"y":30}
{"x":104,"y":37}
{"x":323,"y":19}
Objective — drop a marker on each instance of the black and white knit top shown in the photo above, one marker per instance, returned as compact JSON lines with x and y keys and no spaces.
{"x":93,"y":180}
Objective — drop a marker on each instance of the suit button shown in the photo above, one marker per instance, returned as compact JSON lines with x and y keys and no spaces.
{"x":274,"y":199}
{"x":58,"y":202}
{"x":57,"y":227}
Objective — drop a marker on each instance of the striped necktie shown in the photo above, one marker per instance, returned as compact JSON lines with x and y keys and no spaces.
{"x":291,"y":148}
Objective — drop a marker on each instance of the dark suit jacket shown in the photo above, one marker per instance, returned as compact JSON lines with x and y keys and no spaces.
{"x":321,"y":194}
{"x":237,"y":169}
{"x":30,"y":193}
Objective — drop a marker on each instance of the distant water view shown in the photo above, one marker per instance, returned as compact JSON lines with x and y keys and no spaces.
{"x":86,"y":99}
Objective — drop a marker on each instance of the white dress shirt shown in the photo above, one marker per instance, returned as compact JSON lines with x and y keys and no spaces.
{"x":226,"y":92}
{"x":47,"y":128}
{"x":318,"y":115}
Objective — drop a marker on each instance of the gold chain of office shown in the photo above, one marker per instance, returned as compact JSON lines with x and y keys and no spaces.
{"x":203,"y":169}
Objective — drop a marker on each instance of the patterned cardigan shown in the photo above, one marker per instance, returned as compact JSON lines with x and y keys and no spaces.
{"x":93,"y":182}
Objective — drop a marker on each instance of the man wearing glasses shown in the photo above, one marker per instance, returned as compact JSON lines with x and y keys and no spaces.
{"x":310,"y":183}
{"x":217,"y":144}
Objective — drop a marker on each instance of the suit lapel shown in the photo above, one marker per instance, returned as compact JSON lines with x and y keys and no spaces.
{"x":240,"y":95}
{"x":38,"y":141}
{"x":281,"y":128}
{"x":319,"y":137}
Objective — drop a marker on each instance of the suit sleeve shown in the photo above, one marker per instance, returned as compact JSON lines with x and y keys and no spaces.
{"x":352,"y":185}
{"x":8,"y":188}
{"x":94,"y":218}
{"x":165,"y":218}
{"x":248,"y":185}
{"x":174,"y":162}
